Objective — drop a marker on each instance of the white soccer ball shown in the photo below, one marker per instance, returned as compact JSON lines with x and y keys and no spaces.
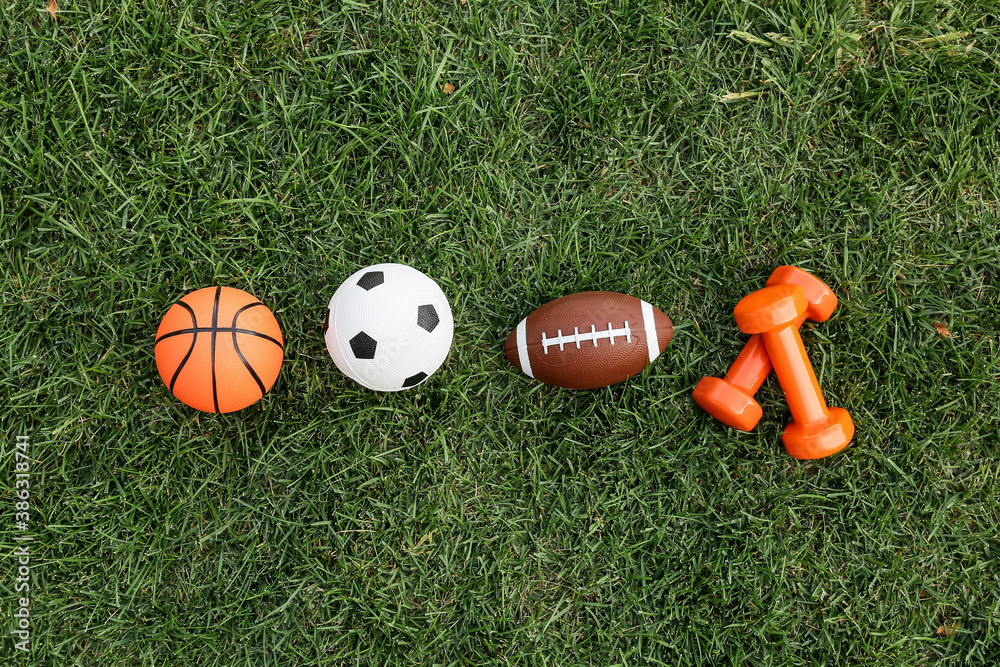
{"x":389,"y":327}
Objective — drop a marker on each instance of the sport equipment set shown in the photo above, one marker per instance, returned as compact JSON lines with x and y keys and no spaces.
{"x":773,"y":316}
{"x":389,"y":327}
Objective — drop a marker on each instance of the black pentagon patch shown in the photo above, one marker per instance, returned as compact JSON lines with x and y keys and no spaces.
{"x":427,"y":317}
{"x":371,"y":280}
{"x":414,"y":380}
{"x":363,"y":346}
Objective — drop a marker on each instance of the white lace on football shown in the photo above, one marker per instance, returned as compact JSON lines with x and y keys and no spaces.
{"x":593,"y":335}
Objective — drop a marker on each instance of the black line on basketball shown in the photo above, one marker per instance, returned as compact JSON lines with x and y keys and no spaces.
{"x":249,"y":305}
{"x":249,"y":332}
{"x":236,"y":344}
{"x":253,"y":373}
{"x":194,"y":324}
{"x":179,"y":332}
{"x":194,"y":339}
{"x":215,"y":332}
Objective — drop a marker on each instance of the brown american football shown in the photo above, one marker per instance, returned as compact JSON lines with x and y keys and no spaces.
{"x":589,"y":340}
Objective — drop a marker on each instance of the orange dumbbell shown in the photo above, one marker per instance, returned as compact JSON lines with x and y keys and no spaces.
{"x":816,"y":430}
{"x":730,"y":399}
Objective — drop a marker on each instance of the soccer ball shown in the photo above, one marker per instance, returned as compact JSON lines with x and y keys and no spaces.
{"x":389,"y":327}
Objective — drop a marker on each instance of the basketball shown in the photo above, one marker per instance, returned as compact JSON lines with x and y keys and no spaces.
{"x":219,"y":349}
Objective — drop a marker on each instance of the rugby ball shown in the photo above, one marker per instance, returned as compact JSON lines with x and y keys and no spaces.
{"x":589,"y":340}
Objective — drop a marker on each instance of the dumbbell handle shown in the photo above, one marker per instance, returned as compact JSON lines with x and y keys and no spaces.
{"x":753,"y":363}
{"x":796,"y":375}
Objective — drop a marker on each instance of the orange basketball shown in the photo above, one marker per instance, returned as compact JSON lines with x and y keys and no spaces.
{"x":219,"y":349}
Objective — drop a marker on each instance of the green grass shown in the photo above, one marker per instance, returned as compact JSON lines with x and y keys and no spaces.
{"x":151,"y":148}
